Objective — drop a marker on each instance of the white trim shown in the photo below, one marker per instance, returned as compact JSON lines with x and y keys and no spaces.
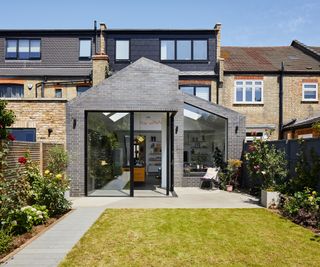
{"x":254,"y":86}
{"x":309,"y":89}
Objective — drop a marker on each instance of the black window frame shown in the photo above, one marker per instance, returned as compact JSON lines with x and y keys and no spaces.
{"x":21,"y":128}
{"x":195,"y":90}
{"x":85,"y":58}
{"x":115,"y":51}
{"x":17,"y":49}
{"x":192,"y":60}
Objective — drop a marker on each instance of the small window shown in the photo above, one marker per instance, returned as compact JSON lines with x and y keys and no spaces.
{"x":82,"y":89}
{"x":199,"y":91}
{"x":310,"y":92}
{"x":122,"y":49}
{"x":248,"y":92}
{"x":23,"y":134}
{"x":184,"y":50}
{"x":11,"y":90}
{"x":23,"y":49}
{"x":200,"y":50}
{"x":167,"y":50}
{"x":58,"y":93}
{"x":85,"y":49}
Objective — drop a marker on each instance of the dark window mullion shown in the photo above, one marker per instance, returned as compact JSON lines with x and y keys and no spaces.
{"x":191,"y":49}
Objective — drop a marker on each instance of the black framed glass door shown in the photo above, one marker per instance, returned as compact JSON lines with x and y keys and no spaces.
{"x":122,"y":157}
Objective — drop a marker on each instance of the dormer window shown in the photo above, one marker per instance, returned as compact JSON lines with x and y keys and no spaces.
{"x":23,"y":49}
{"x":85,"y":49}
{"x":184,"y":50}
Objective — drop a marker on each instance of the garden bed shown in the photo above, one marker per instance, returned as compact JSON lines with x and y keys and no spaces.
{"x":21,"y":241}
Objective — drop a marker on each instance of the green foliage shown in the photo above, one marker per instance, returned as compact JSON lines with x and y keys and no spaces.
{"x":5,"y":241}
{"x":307,"y":175}
{"x":267,"y":164}
{"x":48,"y":190}
{"x":316,"y":127}
{"x":230,"y":174}
{"x":303,"y":207}
{"x":22,"y":220}
{"x":58,"y":159}
{"x":7,"y":118}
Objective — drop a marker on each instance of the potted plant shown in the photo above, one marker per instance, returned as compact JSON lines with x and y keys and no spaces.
{"x":269,"y":166}
{"x":231,"y":174}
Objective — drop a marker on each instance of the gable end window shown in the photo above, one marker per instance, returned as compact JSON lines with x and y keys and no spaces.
{"x":23,"y":49}
{"x":309,"y":92}
{"x":11,"y":91}
{"x":85,"y":49}
{"x":199,"y":91}
{"x":248,"y":92}
{"x":122,"y":50}
{"x":184,"y":50}
{"x":82,"y":89}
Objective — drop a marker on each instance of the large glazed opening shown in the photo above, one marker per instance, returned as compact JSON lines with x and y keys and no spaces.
{"x":205,"y":136}
{"x":129,"y":153}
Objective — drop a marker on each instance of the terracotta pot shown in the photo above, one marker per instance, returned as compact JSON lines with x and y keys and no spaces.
{"x":229,"y":187}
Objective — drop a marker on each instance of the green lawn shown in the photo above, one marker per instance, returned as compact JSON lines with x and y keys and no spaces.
{"x":194,"y":237}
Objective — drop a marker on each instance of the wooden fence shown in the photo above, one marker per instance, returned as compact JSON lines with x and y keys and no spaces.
{"x":38,"y":151}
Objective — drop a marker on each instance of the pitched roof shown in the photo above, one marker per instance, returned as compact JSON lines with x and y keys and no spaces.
{"x":268,"y":59}
{"x":302,"y":123}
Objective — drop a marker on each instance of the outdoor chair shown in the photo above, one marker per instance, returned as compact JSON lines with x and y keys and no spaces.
{"x":211,"y":177}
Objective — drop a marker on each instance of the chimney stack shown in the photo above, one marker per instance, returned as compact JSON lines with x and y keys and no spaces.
{"x":103,"y":27}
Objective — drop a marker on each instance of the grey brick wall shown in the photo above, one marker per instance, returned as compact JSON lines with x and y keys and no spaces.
{"x":143,"y":86}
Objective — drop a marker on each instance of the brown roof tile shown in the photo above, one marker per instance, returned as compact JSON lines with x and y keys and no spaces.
{"x":253,"y":59}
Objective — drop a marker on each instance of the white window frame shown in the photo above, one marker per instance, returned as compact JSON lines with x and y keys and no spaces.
{"x":254,"y":86}
{"x":117,"y":55}
{"x":309,"y":89}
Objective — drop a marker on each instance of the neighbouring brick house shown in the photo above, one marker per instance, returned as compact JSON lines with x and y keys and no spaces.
{"x":113,"y":97}
{"x":272,"y":86}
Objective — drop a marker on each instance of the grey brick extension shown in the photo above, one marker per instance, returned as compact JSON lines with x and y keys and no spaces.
{"x":144,"y":85}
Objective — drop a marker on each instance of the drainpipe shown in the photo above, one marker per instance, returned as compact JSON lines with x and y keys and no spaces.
{"x":95,"y":36}
{"x":281,"y":101}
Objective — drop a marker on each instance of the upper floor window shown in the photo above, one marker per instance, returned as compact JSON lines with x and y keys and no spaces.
{"x":82,"y":89}
{"x":11,"y":90}
{"x":199,"y":91}
{"x":24,"y":49}
{"x":122,"y":50}
{"x":310,"y":92}
{"x":249,"y":91}
{"x":184,"y":50}
{"x":85,"y":49}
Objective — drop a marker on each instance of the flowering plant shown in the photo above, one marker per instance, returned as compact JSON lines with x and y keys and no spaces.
{"x":267,"y":164}
{"x":22,"y":160}
{"x":231,"y":173}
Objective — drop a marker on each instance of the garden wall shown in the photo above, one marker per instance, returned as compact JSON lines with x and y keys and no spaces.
{"x":39,"y":153}
{"x":291,"y":148}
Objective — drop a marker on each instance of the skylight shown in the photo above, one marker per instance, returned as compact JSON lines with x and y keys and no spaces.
{"x":117,"y":116}
{"x":191,"y":114}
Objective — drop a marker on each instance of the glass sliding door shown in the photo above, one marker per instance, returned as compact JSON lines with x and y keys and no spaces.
{"x":108,"y":154}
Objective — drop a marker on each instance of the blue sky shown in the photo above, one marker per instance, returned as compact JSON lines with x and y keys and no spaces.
{"x":244,"y":23}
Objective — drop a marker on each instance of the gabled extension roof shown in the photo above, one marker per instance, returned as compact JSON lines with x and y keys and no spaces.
{"x":296,"y":58}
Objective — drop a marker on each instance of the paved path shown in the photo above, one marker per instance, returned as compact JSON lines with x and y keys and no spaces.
{"x":51,"y":247}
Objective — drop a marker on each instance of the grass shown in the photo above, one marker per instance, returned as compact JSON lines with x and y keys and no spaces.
{"x":194,"y":237}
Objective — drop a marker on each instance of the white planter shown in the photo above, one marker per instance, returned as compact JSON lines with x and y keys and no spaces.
{"x":270,"y":199}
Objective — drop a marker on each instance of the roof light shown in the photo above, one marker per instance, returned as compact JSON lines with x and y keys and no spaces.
{"x":117,"y":116}
{"x":191,"y":114}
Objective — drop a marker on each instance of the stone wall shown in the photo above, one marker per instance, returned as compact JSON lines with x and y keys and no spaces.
{"x":41,"y":114}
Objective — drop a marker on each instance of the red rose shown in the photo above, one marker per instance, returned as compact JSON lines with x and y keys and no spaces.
{"x":11,"y":137}
{"x":252,"y":148}
{"x":22,"y":160}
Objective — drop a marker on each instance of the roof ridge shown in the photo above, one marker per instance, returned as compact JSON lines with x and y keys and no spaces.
{"x":306,"y":49}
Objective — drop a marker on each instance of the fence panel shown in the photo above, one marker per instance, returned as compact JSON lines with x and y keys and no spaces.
{"x":291,"y":149}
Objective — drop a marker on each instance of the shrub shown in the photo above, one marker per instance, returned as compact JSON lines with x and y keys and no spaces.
{"x":22,"y":220}
{"x":5,"y":241}
{"x":267,"y":164}
{"x":230,"y":174}
{"x":49,"y":190}
{"x":303,"y":208}
{"x":58,"y":160}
